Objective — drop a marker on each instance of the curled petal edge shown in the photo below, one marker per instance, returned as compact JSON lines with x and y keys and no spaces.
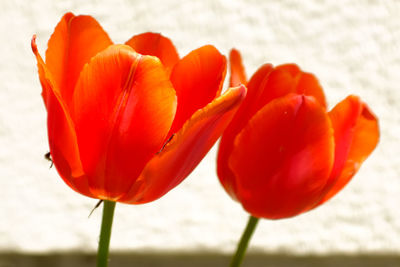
{"x":238,"y":73}
{"x":69,"y":168}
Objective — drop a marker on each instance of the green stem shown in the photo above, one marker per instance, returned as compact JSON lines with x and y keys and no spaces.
{"x":244,"y":242}
{"x":105,"y":233}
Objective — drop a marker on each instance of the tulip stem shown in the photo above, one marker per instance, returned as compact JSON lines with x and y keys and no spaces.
{"x":105,"y":233}
{"x":244,"y":242}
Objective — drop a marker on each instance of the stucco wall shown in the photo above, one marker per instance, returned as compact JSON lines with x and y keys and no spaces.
{"x":352,"y":46}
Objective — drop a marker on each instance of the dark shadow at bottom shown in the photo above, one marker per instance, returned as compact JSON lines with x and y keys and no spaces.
{"x":196,"y":260}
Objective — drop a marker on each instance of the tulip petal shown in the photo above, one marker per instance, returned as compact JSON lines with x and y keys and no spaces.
{"x":123,"y":107}
{"x":238,"y":74}
{"x":241,"y":118}
{"x":291,"y":69}
{"x":62,"y":138}
{"x":307,"y":84}
{"x":197,"y":79}
{"x":283,"y":157}
{"x":356,"y":136}
{"x":154,"y":44}
{"x":186,"y":149}
{"x":75,"y":40}
{"x":286,"y":79}
{"x":344,"y":117}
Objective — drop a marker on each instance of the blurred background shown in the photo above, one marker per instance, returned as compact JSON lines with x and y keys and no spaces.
{"x":353,"y":47}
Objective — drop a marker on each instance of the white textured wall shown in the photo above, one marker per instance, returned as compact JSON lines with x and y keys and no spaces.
{"x":352,"y":46}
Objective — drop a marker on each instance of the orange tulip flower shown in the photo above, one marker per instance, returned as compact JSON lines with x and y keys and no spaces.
{"x":283,"y":153}
{"x":129,"y":122}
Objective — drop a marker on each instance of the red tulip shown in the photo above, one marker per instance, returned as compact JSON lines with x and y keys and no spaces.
{"x":129,"y":122}
{"x":283,"y":153}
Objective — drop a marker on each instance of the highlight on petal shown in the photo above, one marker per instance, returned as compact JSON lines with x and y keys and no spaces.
{"x":62,"y":138}
{"x":197,"y":79}
{"x":356,"y":136}
{"x":154,"y":44}
{"x":186,"y":149}
{"x":283,"y":157}
{"x":238,"y":74}
{"x":75,"y":40}
{"x":123,"y":108}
